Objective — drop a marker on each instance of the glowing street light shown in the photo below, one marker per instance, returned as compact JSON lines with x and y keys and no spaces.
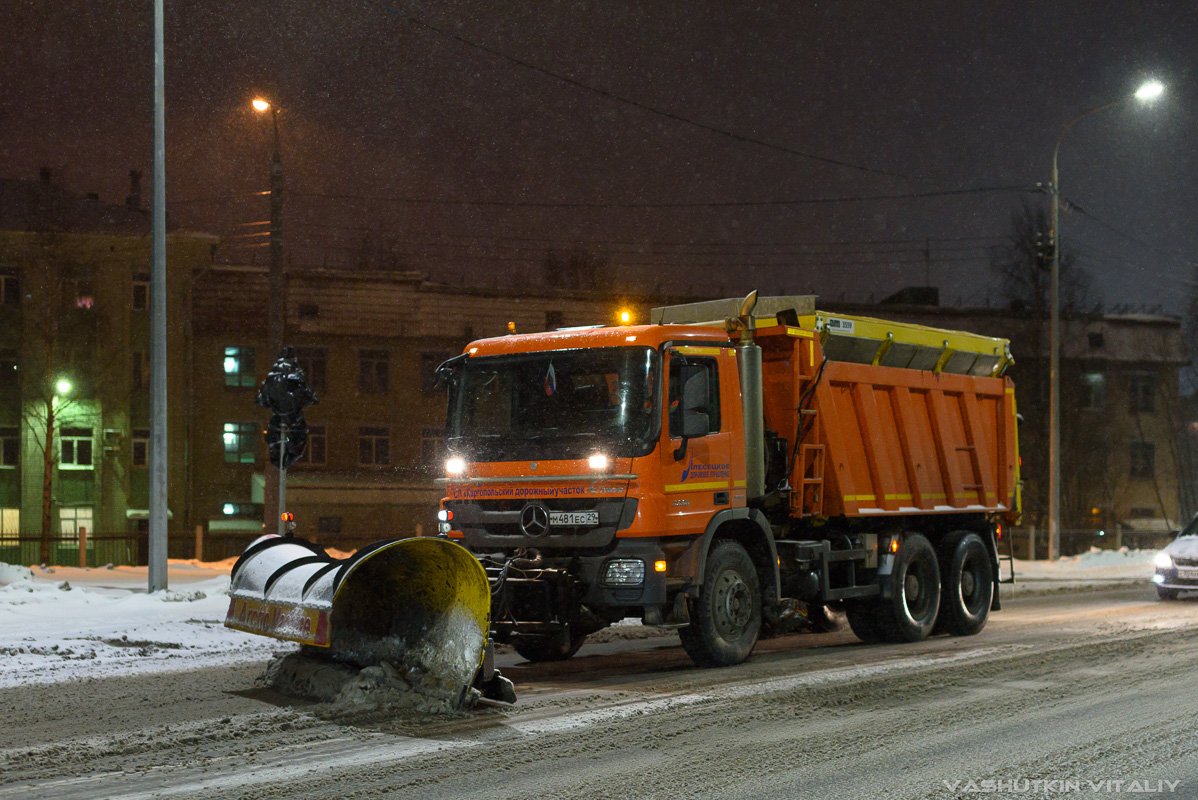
{"x":63,"y":386}
{"x":259,"y":104}
{"x":1148,"y":91}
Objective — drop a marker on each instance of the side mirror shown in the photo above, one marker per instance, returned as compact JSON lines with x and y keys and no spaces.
{"x":695,"y":398}
{"x":448,"y":370}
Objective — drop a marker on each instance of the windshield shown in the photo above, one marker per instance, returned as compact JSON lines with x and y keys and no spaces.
{"x":556,"y":405}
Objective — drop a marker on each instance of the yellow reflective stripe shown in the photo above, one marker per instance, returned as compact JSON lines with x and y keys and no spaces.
{"x":691,"y":350}
{"x":898,"y":497}
{"x":696,"y":487}
{"x":857,"y":498}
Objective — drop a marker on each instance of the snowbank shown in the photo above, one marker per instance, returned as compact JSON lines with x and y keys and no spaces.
{"x":1095,"y":565}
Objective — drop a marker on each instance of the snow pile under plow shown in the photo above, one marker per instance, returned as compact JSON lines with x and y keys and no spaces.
{"x":416,"y":611}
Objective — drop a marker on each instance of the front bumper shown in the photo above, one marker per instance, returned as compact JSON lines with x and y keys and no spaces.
{"x":1169,"y":579}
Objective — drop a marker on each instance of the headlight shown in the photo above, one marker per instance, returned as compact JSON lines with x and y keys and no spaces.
{"x":445,"y":515}
{"x":598,"y":461}
{"x":455,"y":466}
{"x":1163,"y":560}
{"x":624,"y":572}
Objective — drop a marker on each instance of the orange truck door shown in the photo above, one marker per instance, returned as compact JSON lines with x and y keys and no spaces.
{"x":698,"y":482}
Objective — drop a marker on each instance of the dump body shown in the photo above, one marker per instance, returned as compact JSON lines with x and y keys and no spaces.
{"x":886,"y":440}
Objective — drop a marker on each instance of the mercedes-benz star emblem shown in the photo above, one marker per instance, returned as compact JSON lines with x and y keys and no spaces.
{"x":534,"y":519}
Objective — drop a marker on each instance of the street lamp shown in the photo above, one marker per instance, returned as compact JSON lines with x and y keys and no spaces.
{"x":272,"y":505}
{"x":1150,"y":90}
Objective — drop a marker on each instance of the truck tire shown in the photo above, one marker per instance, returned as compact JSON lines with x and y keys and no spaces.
{"x":1166,"y":594}
{"x":726,"y":617}
{"x":548,"y":648}
{"x":910,"y":615}
{"x":968,"y":585}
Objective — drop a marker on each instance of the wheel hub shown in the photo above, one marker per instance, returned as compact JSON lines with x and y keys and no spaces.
{"x":733,"y":603}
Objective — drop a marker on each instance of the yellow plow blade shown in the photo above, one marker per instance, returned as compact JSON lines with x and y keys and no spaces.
{"x":421,"y":605}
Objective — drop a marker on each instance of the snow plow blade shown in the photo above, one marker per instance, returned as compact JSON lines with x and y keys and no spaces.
{"x":421,"y":605}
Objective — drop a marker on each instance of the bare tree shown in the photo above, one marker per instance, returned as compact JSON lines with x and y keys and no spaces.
{"x":1024,"y":268}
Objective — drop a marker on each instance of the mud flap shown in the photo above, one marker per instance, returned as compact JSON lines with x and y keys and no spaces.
{"x":421,"y":605}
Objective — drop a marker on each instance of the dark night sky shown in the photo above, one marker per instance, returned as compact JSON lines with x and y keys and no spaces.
{"x":940,"y":95}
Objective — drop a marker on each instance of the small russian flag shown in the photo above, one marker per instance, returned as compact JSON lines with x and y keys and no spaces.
{"x":550,"y":383}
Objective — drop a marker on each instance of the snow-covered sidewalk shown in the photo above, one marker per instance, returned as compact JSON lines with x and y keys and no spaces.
{"x":68,"y":623}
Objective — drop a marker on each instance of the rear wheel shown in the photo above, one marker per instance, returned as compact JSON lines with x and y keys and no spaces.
{"x":726,"y":617}
{"x":557,"y":647}
{"x":910,"y":615}
{"x":968,"y":586}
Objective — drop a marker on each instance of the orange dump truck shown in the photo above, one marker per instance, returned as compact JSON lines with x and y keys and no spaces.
{"x":730,"y":470}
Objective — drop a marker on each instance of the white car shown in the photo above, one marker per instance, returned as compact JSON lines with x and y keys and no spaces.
{"x":1177,"y":564}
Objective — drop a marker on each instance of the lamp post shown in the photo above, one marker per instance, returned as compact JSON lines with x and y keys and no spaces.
{"x":1150,"y":90}
{"x":272,"y":491}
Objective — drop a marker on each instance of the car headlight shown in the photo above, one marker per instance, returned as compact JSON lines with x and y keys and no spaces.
{"x":624,"y":572}
{"x":1163,"y":560}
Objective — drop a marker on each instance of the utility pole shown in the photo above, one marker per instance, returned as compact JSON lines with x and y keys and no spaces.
{"x":157,"y":575}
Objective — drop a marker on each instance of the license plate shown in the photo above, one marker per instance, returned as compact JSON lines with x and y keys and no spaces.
{"x":573,"y":518}
{"x":1188,"y":573}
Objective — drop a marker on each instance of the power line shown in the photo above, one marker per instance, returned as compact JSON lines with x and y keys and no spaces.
{"x":702,"y":204}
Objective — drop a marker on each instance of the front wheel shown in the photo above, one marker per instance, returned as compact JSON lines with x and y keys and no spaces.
{"x":1166,"y":594}
{"x":726,"y":617}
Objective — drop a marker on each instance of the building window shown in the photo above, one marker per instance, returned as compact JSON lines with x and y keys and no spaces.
{"x":9,"y":376}
{"x":141,"y":372}
{"x":554,"y":320}
{"x":374,"y":446}
{"x":141,"y":447}
{"x":1093,"y":391}
{"x":433,"y":449}
{"x":428,"y":370}
{"x":1142,"y":457}
{"x":76,"y":448}
{"x":10,"y":288}
{"x":314,"y":453}
{"x":328,"y":524}
{"x":1140,"y":388}
{"x":141,"y":291}
{"x":313,"y":361}
{"x":10,"y":447}
{"x":309,"y":311}
{"x":1096,"y":339}
{"x":85,"y":294}
{"x":234,"y":509}
{"x":73,"y":520}
{"x":10,"y":526}
{"x":240,"y":442}
{"x":372,"y":371}
{"x":239,"y":366}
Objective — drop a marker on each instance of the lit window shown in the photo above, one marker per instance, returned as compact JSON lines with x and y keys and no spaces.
{"x":374,"y":446}
{"x":240,"y":439}
{"x":235,"y":509}
{"x":76,"y":448}
{"x":10,"y":526}
{"x":239,"y":366}
{"x":73,"y":520}
{"x":141,"y":447}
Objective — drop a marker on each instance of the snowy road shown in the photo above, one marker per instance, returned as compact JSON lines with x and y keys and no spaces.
{"x":1063,"y":695}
